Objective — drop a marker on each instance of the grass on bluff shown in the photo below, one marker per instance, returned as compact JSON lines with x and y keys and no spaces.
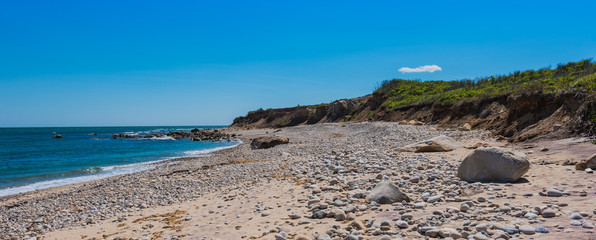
{"x":571,"y":77}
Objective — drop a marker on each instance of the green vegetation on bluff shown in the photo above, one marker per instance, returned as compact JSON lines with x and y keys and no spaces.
{"x":571,"y":77}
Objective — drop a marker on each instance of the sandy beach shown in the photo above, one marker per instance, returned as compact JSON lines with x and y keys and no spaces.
{"x":314,"y":187}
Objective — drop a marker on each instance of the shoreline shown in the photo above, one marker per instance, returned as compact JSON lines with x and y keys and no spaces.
{"x":96,"y":176}
{"x":243,"y":193}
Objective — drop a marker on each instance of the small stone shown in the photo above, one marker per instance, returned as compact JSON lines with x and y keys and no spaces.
{"x":576,"y":223}
{"x":554,"y":193}
{"x":527,"y":229}
{"x":434,"y":199}
{"x":588,"y":226}
{"x":480,"y":236}
{"x":589,"y":170}
{"x":401,"y":224}
{"x":464,"y":207}
{"x":432,"y":233}
{"x":281,"y":236}
{"x":576,"y":216}
{"x":407,"y":216}
{"x":548,"y":213}
{"x":530,"y":216}
{"x":324,"y":237}
{"x":541,"y":229}
{"x":296,"y":215}
{"x":340,"y":215}
{"x":358,"y":225}
{"x":481,"y":199}
{"x":353,"y":237}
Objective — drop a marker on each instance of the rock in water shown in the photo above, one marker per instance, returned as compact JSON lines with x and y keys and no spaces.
{"x":493,"y":164}
{"x":267,"y":142}
{"x":437,"y":144}
{"x":386,"y":193}
{"x":58,"y":136}
{"x":587,"y":163}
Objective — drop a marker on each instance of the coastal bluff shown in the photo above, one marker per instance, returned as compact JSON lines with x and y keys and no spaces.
{"x":517,"y":117}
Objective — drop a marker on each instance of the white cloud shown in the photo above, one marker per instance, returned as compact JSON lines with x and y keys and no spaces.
{"x":425,"y":68}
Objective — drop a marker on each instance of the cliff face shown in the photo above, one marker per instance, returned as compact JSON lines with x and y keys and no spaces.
{"x":516,"y":117}
{"x":284,"y":117}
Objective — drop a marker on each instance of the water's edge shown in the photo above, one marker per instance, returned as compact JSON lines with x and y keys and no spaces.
{"x":110,"y":171}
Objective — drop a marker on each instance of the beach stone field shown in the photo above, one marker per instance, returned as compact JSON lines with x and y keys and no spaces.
{"x":371,"y":180}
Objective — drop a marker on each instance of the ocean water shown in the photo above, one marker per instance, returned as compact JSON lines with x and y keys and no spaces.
{"x":31,"y":159}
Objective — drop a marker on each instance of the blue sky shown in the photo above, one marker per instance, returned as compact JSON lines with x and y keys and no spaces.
{"x":105,"y":63}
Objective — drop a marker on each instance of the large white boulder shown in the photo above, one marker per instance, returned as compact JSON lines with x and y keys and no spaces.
{"x":493,"y":164}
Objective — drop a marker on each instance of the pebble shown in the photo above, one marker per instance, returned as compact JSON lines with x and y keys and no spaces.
{"x":576,"y":216}
{"x":401,"y":224}
{"x":554,"y":193}
{"x":324,"y":236}
{"x":541,"y":229}
{"x":527,"y":229}
{"x":548,"y":213}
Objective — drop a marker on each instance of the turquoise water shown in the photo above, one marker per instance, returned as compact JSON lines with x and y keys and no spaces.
{"x":31,"y":159}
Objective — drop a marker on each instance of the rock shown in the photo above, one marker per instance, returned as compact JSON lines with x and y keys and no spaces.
{"x":401,"y":224}
{"x":319,"y":215}
{"x":548,"y":213}
{"x":415,"y":122}
{"x":386,"y":193}
{"x":541,"y":229}
{"x":353,"y":237}
{"x":302,"y":237}
{"x":576,"y":216}
{"x":324,"y":237}
{"x":527,"y":229}
{"x":281,"y":236}
{"x":464,"y":207}
{"x":339,"y":214}
{"x":419,"y":205}
{"x":589,"y":162}
{"x":437,"y":144}
{"x":466,"y":127}
{"x":432,"y":233}
{"x":493,"y":164}
{"x":530,"y":216}
{"x":434,"y":199}
{"x":589,"y":170}
{"x":588,"y":226}
{"x":58,"y":136}
{"x":479,"y":236}
{"x":358,"y":225}
{"x":267,"y":141}
{"x":554,"y":193}
{"x":447,"y":232}
{"x":407,"y":216}
{"x":295,"y":215}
